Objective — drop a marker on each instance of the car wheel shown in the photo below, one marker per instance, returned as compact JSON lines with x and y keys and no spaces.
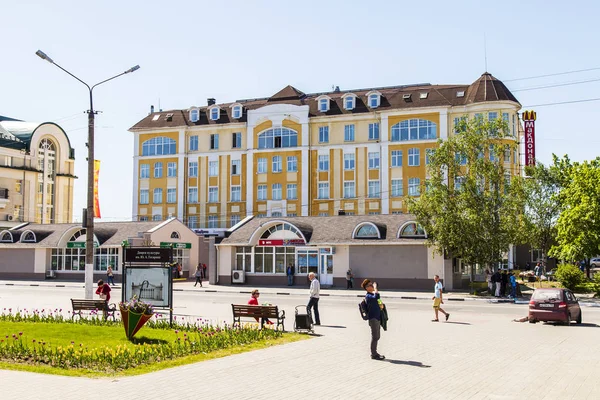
{"x":532,"y":321}
{"x":578,"y":322}
{"x":568,"y":319}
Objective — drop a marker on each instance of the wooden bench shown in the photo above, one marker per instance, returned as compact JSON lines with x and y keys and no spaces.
{"x":80,"y":305}
{"x":260,"y":312}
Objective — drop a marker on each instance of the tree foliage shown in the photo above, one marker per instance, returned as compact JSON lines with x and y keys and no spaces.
{"x":473,"y":206}
{"x":569,"y":276}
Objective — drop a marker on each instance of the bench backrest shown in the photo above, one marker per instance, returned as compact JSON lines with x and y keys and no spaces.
{"x":80,"y":304}
{"x":245,"y":310}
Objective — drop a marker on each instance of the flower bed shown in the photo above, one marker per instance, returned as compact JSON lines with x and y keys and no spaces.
{"x":115,"y":354}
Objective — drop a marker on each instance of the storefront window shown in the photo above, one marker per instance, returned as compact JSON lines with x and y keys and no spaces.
{"x":308,"y":261}
{"x":267,"y":259}
{"x":74,"y":259}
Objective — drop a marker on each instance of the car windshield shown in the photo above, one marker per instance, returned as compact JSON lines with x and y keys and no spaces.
{"x":546,"y":295}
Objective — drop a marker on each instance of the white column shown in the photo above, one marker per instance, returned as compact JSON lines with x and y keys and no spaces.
{"x":384,"y":165}
{"x":444,"y":135}
{"x":511,"y":256}
{"x":181,"y":166}
{"x":136,"y":176}
{"x":249,"y":170}
{"x":305,"y":169}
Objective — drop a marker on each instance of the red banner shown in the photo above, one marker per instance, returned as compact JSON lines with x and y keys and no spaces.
{"x":96,"y":200}
{"x":281,"y":242}
{"x":529,"y":121}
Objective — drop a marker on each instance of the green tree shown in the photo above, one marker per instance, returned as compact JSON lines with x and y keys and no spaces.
{"x":472,"y":206}
{"x":578,"y":226}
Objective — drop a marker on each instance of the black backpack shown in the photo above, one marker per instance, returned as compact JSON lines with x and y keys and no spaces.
{"x":364,"y":310}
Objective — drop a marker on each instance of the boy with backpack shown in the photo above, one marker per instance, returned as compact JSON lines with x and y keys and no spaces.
{"x":371,"y":310}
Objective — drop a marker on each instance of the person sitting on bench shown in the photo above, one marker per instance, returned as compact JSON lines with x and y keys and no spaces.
{"x":254,"y":302}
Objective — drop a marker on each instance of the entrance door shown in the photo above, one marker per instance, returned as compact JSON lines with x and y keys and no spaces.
{"x":326,"y":269}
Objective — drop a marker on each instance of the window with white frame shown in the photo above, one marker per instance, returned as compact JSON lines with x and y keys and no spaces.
{"x":461,"y":159}
{"x":276,"y":191}
{"x":193,"y":222}
{"x":374,"y":131}
{"x":157,"y":217}
{"x":236,"y":193}
{"x":236,"y":112}
{"x":193,"y":169}
{"x":323,"y":192}
{"x":144,"y":196}
{"x":396,"y":158}
{"x":236,"y":140}
{"x":414,"y":129}
{"x":492,"y":116}
{"x":292,"y":191}
{"x":171,"y":169}
{"x":374,"y":190}
{"x":349,"y":190}
{"x":397,"y":188}
{"x":145,"y":171}
{"x":374,"y":160}
{"x":349,"y":102}
{"x":460,"y":124}
{"x":349,"y":133}
{"x":515,"y":156}
{"x":323,"y":134}
{"x":193,"y":195}
{"x":194,"y":143}
{"x":276,"y":164}
{"x":261,"y":192}
{"x":414,"y":156}
{"x":171,"y":195}
{"x":323,"y":162}
{"x":213,"y":168}
{"x":214,"y":141}
{"x":492,"y":151}
{"x":159,"y":146}
{"x":213,"y":221}
{"x":349,"y":161}
{"x":158,"y":169}
{"x":261,"y":166}
{"x":459,"y":181}
{"x":323,"y":105}
{"x":234,"y":220}
{"x":194,"y":115}
{"x":236,"y":167}
{"x":513,"y":130}
{"x":213,"y":194}
{"x":506,"y":121}
{"x":374,"y":100}
{"x":276,"y":138}
{"x":414,"y":186}
{"x":507,"y":153}
{"x":157,"y":198}
{"x":292,"y":164}
{"x":428,"y":154}
{"x":215,"y":113}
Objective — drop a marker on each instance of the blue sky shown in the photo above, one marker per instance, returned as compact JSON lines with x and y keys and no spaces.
{"x":191,"y":50}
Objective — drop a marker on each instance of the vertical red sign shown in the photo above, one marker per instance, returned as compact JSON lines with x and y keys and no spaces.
{"x":529,"y":122}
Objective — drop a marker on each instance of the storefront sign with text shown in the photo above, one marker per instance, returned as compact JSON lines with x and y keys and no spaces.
{"x":529,"y":122}
{"x":281,"y":242}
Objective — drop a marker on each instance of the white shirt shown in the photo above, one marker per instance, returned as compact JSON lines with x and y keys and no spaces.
{"x":438,"y":289}
{"x":315,"y":287}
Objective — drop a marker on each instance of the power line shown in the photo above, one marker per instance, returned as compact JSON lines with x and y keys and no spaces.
{"x":562,"y":102}
{"x":556,"y":85}
{"x":555,"y":74}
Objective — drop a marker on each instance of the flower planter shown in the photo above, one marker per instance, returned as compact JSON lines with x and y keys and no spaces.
{"x":133,"y":322}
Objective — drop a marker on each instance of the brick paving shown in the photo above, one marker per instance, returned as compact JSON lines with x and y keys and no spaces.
{"x":479,"y":354}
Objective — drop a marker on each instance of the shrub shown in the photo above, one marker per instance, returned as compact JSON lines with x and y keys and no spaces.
{"x":597,"y":284}
{"x":569,"y":276}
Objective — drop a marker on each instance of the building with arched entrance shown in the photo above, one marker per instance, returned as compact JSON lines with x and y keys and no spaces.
{"x":390,"y":249}
{"x":36,"y":173}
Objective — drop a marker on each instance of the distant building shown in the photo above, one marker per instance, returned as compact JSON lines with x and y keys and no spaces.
{"x":37,"y":166}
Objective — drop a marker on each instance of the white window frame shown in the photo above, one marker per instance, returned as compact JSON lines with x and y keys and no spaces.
{"x":158,"y":169}
{"x":292,"y":191}
{"x":192,"y":195}
{"x":213,"y":221}
{"x":171,"y":195}
{"x":373,"y":96}
{"x":193,"y":143}
{"x":261,"y":192}
{"x":428,"y":154}
{"x":276,"y":191}
{"x":194,"y":115}
{"x":171,"y":169}
{"x":349,"y":102}
{"x":414,"y":154}
{"x":324,"y":134}
{"x":144,"y":196}
{"x":236,"y":194}
{"x":323,"y":162}
{"x":349,"y":161}
{"x":276,"y":164}
{"x":213,"y":168}
{"x":323,"y":103}
{"x":236,"y":140}
{"x":292,"y":164}
{"x":414,"y":186}
{"x":323,"y":190}
{"x":372,"y":193}
{"x":238,"y":167}
{"x":236,"y":112}
{"x":192,"y":222}
{"x":144,"y":171}
{"x":396,"y":157}
{"x":261,"y":166}
{"x":215,"y":116}
{"x":349,"y":189}
{"x":374,"y":131}
{"x":157,"y":196}
{"x":213,"y":194}
{"x":193,"y":169}
{"x":374,"y":160}
{"x":397,"y":188}
{"x":349,"y":133}
{"x":214,"y":141}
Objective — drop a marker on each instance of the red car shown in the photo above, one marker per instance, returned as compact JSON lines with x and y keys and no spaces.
{"x":556,"y":305}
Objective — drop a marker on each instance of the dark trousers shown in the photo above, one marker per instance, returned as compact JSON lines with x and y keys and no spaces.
{"x":513,"y":291}
{"x":314,"y":304}
{"x":290,"y":280}
{"x":502,"y":289}
{"x":348,"y":283}
{"x":198,"y":281}
{"x":111,"y":280}
{"x":375,"y":325}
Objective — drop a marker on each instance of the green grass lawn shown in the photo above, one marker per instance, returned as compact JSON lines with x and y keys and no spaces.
{"x":90,"y":336}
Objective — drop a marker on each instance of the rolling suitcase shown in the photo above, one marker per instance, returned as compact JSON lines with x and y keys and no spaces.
{"x":303,"y":320}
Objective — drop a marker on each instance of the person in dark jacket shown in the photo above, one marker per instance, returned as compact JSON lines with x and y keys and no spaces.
{"x":503,"y":283}
{"x":374,"y":314}
{"x":496,"y":279}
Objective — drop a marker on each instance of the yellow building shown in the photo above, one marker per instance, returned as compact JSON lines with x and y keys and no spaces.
{"x":296,"y":154}
{"x":36,"y":173}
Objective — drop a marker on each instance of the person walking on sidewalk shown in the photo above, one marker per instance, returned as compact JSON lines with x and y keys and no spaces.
{"x":110,"y":275}
{"x":290,"y":274}
{"x":313,"y":303}
{"x":349,"y":278}
{"x":496,"y":279}
{"x":513,"y":286}
{"x":438,"y":299}
{"x":198,"y":275}
{"x":374,"y":316}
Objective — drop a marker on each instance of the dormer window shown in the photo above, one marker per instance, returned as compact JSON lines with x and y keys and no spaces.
{"x":194,"y":115}
{"x":412,"y":230}
{"x":460,"y":93}
{"x":324,"y":105}
{"x":374,"y":99}
{"x":215,"y":113}
{"x":349,"y":101}
{"x":236,"y":111}
{"x":366,"y":230}
{"x":28,"y":237}
{"x":6,"y":237}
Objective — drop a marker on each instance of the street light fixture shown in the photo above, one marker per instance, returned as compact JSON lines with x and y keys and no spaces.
{"x":89,"y":218}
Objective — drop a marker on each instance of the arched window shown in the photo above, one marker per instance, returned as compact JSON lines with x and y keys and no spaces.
{"x":414,"y":129}
{"x":28,"y":237}
{"x":277,"y":137}
{"x":175,"y":235}
{"x":366,"y":230}
{"x":44,"y":212}
{"x":281,"y":227}
{"x":412,"y":230}
{"x":159,"y":146}
{"x":194,"y":115}
{"x":6,"y":237}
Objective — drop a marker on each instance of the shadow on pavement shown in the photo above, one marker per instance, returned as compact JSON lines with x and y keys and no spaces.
{"x":333,"y":326}
{"x":586,"y":325}
{"x":145,"y":340}
{"x":411,"y":363}
{"x":457,"y":323}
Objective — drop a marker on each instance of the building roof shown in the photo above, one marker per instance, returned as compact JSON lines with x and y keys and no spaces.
{"x":485,"y":89}
{"x":331,"y":230}
{"x":17,"y":134}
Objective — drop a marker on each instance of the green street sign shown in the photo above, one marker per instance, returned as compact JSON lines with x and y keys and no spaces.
{"x":174,"y":245}
{"x":78,"y":245}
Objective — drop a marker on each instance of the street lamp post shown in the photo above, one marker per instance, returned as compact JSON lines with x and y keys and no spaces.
{"x":89,"y":218}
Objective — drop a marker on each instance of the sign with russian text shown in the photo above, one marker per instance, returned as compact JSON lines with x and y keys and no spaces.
{"x":148,"y":254}
{"x":175,"y":245}
{"x":529,"y":122}
{"x":281,"y":242}
{"x":78,"y":245}
{"x":96,"y":198}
